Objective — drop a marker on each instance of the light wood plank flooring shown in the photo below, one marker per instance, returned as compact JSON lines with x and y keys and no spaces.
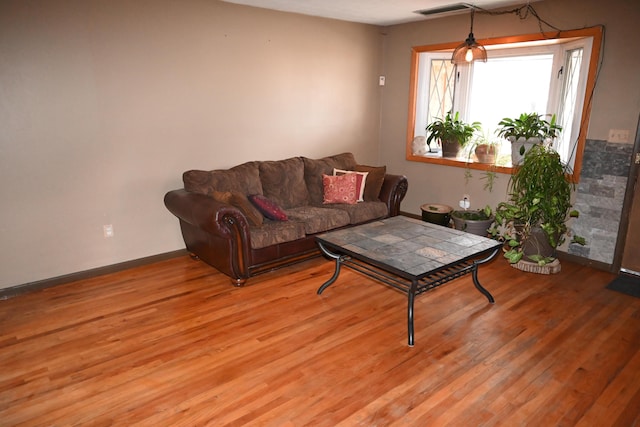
{"x":174,"y":344}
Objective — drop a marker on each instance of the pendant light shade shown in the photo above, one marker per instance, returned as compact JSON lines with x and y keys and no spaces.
{"x":470,"y":50}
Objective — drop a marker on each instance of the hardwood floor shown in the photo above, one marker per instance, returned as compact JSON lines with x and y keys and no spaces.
{"x":174,"y":344}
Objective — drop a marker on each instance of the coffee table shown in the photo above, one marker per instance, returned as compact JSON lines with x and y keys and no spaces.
{"x":409,"y":255}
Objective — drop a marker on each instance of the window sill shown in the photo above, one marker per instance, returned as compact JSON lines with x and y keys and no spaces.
{"x":460,"y":163}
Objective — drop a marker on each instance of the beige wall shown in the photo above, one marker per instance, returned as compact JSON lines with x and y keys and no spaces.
{"x":616,"y":102}
{"x":104,"y":103}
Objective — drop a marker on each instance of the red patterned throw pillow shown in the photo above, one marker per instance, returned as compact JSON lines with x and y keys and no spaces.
{"x":340,"y":188}
{"x":268,"y":208}
{"x":361,"y":179}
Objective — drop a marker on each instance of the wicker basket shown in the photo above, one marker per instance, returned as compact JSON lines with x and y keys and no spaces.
{"x":533,"y":267}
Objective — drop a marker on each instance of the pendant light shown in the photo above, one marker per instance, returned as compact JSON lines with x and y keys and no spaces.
{"x":470,"y":50}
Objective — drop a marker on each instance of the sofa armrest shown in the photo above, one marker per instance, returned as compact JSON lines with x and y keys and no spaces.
{"x":394,"y":188}
{"x":215,"y":232}
{"x":206,"y":213}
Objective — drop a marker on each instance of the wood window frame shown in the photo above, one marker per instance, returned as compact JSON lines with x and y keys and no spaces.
{"x":595,"y":32}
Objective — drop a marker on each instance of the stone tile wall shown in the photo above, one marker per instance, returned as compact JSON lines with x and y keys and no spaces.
{"x":599,"y":198}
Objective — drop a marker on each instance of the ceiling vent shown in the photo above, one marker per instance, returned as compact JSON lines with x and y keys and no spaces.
{"x":445,"y":9}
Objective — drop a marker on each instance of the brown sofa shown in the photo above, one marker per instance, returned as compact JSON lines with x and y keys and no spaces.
{"x":221,"y":227}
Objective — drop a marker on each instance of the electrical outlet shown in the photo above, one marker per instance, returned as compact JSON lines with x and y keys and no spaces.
{"x":465,"y":203}
{"x":618,"y":135}
{"x":382,"y":80}
{"x":107,"y":229}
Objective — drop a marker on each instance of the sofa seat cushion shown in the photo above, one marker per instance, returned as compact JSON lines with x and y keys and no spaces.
{"x":275,"y":232}
{"x":317,"y":220}
{"x":363,"y":211}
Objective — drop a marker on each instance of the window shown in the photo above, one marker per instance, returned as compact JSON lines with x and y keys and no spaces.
{"x":528,"y":74}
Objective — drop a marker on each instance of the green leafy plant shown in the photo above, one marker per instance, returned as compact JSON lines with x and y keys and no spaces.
{"x":475,"y":215}
{"x":477,"y":221}
{"x":539,"y":199}
{"x":451,"y":129}
{"x":483,"y":139}
{"x":489,"y":178}
{"x":528,"y":125}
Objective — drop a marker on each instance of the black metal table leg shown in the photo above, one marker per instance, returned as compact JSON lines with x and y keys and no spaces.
{"x":411,"y":297}
{"x":336,"y":273}
{"x":474,"y":274}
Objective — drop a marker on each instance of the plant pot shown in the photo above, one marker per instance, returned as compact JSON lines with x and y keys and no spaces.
{"x":450,"y":149}
{"x":537,"y":244}
{"x":520,"y":147}
{"x":472,"y":221}
{"x":436,"y":213}
{"x":486,"y":153}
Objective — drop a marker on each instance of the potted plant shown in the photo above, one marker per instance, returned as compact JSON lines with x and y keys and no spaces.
{"x":452,"y":133}
{"x":485,"y":148}
{"x":532,"y":223}
{"x":436,"y":213}
{"x":486,"y":153}
{"x":474,"y":221}
{"x":526,"y":131}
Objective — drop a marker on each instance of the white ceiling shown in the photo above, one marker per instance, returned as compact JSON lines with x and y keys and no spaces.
{"x":377,"y":12}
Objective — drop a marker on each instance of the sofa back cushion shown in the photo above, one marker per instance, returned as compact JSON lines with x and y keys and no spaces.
{"x":283,"y":182}
{"x":314,"y":168}
{"x":244,"y":178}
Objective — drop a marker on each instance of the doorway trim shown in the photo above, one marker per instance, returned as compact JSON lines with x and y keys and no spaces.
{"x":627,"y":205}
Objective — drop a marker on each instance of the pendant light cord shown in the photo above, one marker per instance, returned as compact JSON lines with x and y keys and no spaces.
{"x":521,"y":12}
